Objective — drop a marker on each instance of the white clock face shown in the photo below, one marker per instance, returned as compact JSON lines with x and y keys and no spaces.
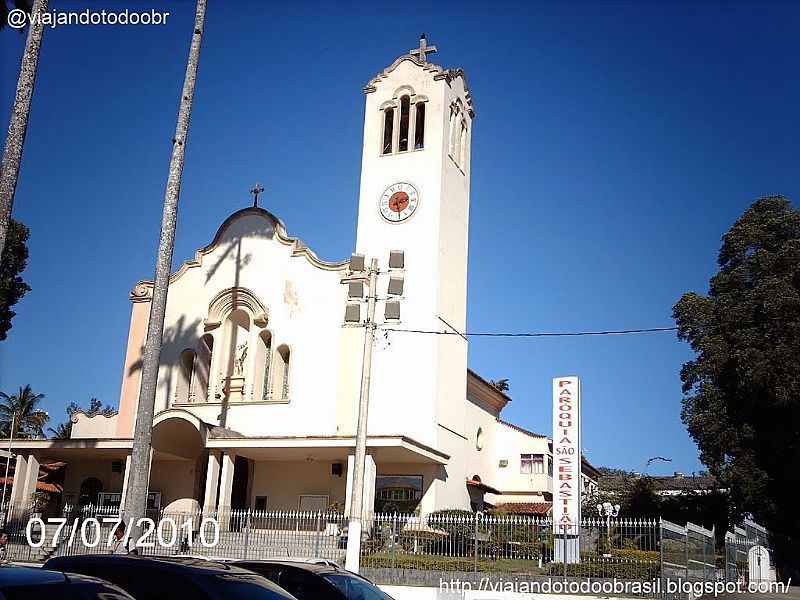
{"x":398,"y":202}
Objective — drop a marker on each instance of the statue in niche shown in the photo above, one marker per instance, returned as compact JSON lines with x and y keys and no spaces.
{"x":238,"y":362}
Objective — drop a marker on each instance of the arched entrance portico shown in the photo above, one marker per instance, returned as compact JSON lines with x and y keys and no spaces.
{"x":179,"y":460}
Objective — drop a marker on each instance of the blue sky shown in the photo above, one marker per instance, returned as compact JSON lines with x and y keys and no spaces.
{"x":614,"y":144}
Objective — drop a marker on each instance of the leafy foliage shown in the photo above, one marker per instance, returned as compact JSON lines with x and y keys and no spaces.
{"x":501,"y":385}
{"x":13,"y":262}
{"x":6,"y":7}
{"x":20,"y":414}
{"x":741,"y":400}
{"x":64,"y":430}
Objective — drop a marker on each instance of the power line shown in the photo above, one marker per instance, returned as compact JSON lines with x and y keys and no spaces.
{"x":534,"y":334}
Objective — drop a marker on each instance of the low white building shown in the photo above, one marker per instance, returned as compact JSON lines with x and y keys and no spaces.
{"x":260,"y":372}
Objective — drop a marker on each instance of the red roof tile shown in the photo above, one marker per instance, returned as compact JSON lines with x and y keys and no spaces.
{"x":526,"y":508}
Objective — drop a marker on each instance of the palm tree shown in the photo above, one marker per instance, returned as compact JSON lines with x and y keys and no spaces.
{"x":63,"y":431}
{"x":18,"y":125}
{"x":20,"y":414}
{"x":136,"y":495}
{"x":501,"y":385}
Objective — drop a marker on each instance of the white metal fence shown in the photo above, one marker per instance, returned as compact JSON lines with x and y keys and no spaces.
{"x":410,"y":549}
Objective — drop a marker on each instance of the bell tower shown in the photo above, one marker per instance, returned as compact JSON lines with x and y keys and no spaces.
{"x":414,"y":197}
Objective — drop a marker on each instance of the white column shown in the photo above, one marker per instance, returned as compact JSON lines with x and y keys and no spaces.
{"x":226,"y":480}
{"x":225,"y":489}
{"x":125,"y":482}
{"x":212,"y":482}
{"x":31,"y":477}
{"x":20,"y":470}
{"x":348,"y":491}
{"x":370,"y":473}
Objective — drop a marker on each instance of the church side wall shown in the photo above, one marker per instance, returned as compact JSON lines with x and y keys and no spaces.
{"x":282,"y":482}
{"x":132,"y":374}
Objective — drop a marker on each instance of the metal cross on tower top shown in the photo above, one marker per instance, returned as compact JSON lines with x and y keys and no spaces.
{"x":423,"y":50}
{"x":256,"y":191}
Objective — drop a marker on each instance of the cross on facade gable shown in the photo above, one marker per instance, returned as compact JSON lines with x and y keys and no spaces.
{"x":423,"y":50}
{"x":256,"y":191}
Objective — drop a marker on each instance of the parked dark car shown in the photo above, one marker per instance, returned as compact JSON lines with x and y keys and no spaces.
{"x":315,"y":581}
{"x":147,"y":578}
{"x":23,"y":583}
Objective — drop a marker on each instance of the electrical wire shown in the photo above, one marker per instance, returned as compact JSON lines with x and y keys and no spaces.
{"x":534,"y":334}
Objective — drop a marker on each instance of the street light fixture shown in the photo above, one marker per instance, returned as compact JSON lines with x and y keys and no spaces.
{"x":607,"y":510}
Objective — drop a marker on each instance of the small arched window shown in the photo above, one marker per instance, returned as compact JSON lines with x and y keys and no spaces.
{"x":419,"y":127}
{"x":202,"y":367}
{"x":263,"y":363}
{"x":458,"y":135}
{"x":282,"y":367}
{"x":405,"y":117}
{"x":388,"y":130}
{"x":184,"y":391}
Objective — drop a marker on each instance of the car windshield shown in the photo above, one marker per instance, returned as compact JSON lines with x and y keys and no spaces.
{"x":237,"y":586}
{"x":355,"y":588}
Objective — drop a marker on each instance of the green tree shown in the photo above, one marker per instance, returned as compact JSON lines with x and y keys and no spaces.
{"x":63,"y":431}
{"x":21,"y":415}
{"x":13,"y":262}
{"x":501,"y":385}
{"x":741,"y":400}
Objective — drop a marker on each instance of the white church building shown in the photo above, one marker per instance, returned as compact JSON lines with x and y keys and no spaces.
{"x":261,"y":365}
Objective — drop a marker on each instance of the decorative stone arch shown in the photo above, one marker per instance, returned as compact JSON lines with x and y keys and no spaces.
{"x":404,"y":90}
{"x":177,"y":431}
{"x":232,"y":299}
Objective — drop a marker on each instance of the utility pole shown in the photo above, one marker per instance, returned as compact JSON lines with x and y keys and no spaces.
{"x":139,"y":477}
{"x":359,"y":466}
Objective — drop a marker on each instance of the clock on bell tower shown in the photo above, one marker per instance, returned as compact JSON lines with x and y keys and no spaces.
{"x":414,"y":197}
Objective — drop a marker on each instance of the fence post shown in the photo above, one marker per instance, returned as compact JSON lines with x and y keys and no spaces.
{"x":394,"y":546}
{"x":316,"y":543}
{"x":661,"y":554}
{"x":477,"y":516}
{"x":246,"y":534}
{"x":686,"y":537}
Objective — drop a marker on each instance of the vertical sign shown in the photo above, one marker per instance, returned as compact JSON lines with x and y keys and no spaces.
{"x":567,"y":462}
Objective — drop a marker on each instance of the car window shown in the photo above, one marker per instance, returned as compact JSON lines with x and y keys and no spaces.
{"x":239,"y":586}
{"x":64,"y":591}
{"x":149,"y":582}
{"x":304,"y":585}
{"x":355,"y":588}
{"x":143,"y":581}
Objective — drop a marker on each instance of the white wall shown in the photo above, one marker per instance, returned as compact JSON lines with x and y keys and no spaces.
{"x":508,"y":445}
{"x":97,"y":426}
{"x":305,"y":304}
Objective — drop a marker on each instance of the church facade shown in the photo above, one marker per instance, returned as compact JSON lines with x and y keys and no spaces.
{"x":261,"y":365}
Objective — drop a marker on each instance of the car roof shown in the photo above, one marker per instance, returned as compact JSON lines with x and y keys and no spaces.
{"x":314,"y":567}
{"x":198,"y":565}
{"x":13,"y":575}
